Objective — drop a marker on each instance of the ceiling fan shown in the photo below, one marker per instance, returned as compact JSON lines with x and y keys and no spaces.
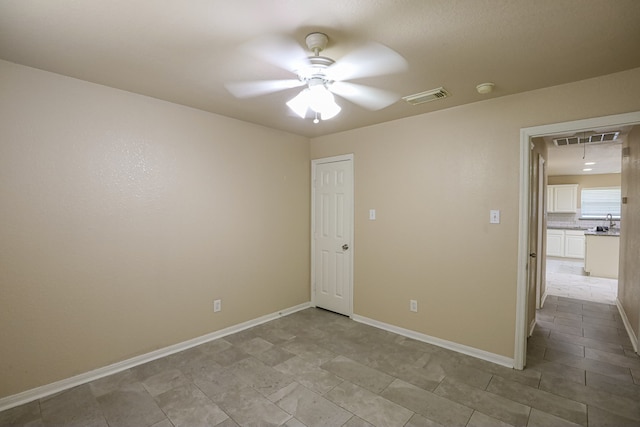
{"x":322,"y":76}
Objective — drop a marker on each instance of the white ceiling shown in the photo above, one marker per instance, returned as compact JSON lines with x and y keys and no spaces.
{"x":571,"y":159}
{"x":184,"y":51}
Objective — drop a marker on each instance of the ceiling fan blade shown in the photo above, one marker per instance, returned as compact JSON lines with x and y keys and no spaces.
{"x":373,"y":59}
{"x":365,"y":96}
{"x":260,"y":87}
{"x":280,"y":51}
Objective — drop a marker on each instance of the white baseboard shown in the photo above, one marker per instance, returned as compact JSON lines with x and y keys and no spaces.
{"x":544,"y":298}
{"x":460,"y":348}
{"x":627,"y":326}
{"x":67,"y":383}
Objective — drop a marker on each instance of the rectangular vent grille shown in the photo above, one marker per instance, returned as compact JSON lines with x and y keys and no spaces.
{"x":430,"y":95}
{"x":576,"y":140}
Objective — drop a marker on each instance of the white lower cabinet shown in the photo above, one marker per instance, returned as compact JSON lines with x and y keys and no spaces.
{"x":565,"y":243}
{"x":573,"y":244}
{"x":555,"y":242}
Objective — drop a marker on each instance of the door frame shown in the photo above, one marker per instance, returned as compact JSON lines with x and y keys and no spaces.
{"x":542,"y":211}
{"x":350,"y":252}
{"x":625,"y":119}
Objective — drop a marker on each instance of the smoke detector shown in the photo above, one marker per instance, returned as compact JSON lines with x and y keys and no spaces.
{"x":484,"y":88}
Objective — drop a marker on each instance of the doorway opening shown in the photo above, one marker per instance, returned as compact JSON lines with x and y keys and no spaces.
{"x":523,"y":313}
{"x":583,"y":168}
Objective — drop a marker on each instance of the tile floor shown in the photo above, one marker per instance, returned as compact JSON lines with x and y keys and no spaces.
{"x":316,"y":368}
{"x":565,"y":277}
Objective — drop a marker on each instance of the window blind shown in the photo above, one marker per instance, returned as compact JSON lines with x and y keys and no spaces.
{"x":598,"y":202}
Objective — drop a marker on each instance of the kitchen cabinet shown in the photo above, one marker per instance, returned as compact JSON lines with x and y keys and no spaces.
{"x":555,"y":243}
{"x":562,"y":198}
{"x":602,"y":256}
{"x":565,"y":243}
{"x":574,"y":243}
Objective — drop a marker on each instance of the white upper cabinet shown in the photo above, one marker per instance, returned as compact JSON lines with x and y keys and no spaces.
{"x":562,"y":198}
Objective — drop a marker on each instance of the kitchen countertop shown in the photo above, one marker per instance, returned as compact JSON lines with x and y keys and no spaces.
{"x":613,"y":233}
{"x":566,"y":227}
{"x":587,"y":231}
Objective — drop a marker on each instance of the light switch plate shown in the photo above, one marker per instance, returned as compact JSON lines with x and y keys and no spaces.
{"x":372,"y":214}
{"x":494,"y":217}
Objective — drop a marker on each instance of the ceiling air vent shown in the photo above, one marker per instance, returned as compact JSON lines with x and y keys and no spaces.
{"x":586,"y":138}
{"x":430,"y":95}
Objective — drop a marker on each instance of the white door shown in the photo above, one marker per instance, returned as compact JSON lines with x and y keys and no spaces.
{"x":332,"y":234}
{"x":535,"y":226}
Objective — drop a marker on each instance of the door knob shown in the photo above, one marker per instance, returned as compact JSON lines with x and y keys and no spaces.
{"x":345,"y":247}
{"x":533,"y":255}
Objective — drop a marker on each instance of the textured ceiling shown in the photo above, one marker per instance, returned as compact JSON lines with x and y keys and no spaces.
{"x":185,"y":51}
{"x":571,"y":159}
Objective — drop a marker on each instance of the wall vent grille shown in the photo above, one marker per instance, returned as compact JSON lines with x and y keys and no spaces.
{"x":430,"y":95}
{"x":586,"y":139}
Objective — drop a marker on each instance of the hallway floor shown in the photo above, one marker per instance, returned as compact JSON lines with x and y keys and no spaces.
{"x":317,"y":368}
{"x":566,"y":278}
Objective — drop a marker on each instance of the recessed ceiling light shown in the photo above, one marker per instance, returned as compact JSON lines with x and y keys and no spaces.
{"x":586,"y":169}
{"x":589,"y":163}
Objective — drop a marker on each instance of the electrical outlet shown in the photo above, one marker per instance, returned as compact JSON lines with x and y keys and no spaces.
{"x":413,"y":305}
{"x":217,"y":305}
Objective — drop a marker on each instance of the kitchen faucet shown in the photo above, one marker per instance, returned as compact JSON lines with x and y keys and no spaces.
{"x":612,"y":223}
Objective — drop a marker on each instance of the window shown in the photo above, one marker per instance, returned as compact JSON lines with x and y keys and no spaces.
{"x":598,"y":202}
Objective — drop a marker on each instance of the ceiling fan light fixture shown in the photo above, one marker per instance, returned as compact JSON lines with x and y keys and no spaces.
{"x":321,"y":76}
{"x":322,"y":101}
{"x":330,"y":111}
{"x":300,"y":104}
{"x":317,"y":98}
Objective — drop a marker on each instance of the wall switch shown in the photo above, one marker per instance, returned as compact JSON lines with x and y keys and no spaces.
{"x":217,"y":305}
{"x":372,"y":214}
{"x":413,"y":305}
{"x":494,"y":217}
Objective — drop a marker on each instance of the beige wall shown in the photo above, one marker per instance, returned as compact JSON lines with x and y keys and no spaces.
{"x":433,"y":179}
{"x":122,"y":217}
{"x":629,"y":277}
{"x":587,"y":181}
